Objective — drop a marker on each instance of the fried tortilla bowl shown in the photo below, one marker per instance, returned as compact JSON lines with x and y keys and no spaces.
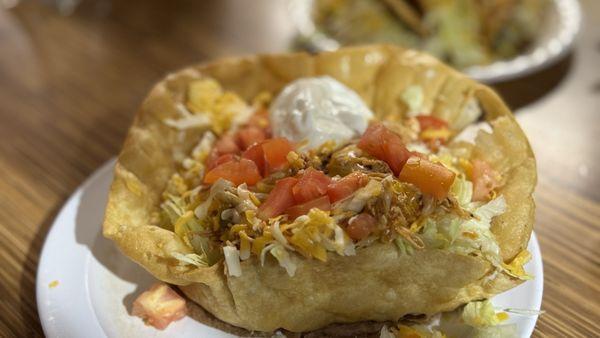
{"x":378,"y":283}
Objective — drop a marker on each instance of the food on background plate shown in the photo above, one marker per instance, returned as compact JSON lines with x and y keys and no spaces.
{"x":462,"y":32}
{"x":229,"y":187}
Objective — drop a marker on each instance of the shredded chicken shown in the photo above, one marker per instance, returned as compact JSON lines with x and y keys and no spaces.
{"x":351,"y":158}
{"x":399,"y":205}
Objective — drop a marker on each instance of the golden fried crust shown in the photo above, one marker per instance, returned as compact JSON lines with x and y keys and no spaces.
{"x":508,"y":151}
{"x":377,"y":283}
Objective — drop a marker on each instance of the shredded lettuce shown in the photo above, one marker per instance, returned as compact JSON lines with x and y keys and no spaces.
{"x":476,"y":320}
{"x":413,"y":98}
{"x":470,"y":113}
{"x":173,"y":207}
{"x":203,"y":246}
{"x":232,"y":261}
{"x":231,"y":215}
{"x":284,"y":259}
{"x":202,"y":149}
{"x":220,"y":185}
{"x":359,"y":199}
{"x":187,"y":120}
{"x":176,"y":185}
{"x":441,"y":232}
{"x":470,"y":236}
{"x":252,"y":219}
{"x":418,"y":146}
{"x":462,"y":190}
{"x":245,"y":245}
{"x":491,"y":209}
{"x":343,"y":245}
{"x":403,"y":246}
{"x":193,"y":121}
{"x":189,"y":229}
{"x":482,"y":314}
{"x":264,"y":252}
{"x":278,"y":235}
{"x":190,"y":259}
{"x":452,"y":325}
{"x":476,"y":235}
{"x":185,"y":224}
{"x":248,"y":200}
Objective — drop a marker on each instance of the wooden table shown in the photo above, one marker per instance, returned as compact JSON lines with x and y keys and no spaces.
{"x":69,"y":86}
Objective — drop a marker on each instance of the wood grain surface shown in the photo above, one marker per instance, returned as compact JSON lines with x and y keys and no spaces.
{"x":70,"y":84}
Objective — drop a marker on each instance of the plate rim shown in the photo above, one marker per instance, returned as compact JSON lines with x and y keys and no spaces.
{"x":42,"y":289}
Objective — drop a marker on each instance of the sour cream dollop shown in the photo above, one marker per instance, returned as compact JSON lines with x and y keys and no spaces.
{"x":318,"y":109}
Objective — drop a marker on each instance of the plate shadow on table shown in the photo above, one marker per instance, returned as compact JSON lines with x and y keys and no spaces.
{"x":519,"y":93}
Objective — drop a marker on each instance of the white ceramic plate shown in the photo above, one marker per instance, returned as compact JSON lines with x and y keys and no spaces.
{"x":85,"y":286}
{"x":562,"y":20}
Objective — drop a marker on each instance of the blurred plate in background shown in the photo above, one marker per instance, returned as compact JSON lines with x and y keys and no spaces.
{"x":561,"y":22}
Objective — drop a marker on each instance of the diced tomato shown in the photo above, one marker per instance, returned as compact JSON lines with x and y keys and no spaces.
{"x":431,"y":178}
{"x":361,"y":226}
{"x":385,"y":145}
{"x":434,"y":131}
{"x":268,"y":132}
{"x":256,"y":154}
{"x":226,"y":145}
{"x":431,"y":122}
{"x":303,"y":209}
{"x":238,"y":172}
{"x":312,"y":184}
{"x":269,"y":155}
{"x":484,"y":180}
{"x":249,"y":135}
{"x":372,"y":140}
{"x":211,"y":159}
{"x":280,"y":199}
{"x":159,"y":306}
{"x":276,"y":150}
{"x":396,"y":153}
{"x":346,"y":186}
{"x":220,"y":160}
{"x":260,"y":118}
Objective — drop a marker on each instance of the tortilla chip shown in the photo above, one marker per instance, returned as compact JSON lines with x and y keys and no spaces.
{"x":377,"y":284}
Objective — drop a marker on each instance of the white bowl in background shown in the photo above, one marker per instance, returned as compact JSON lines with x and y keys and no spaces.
{"x":555,"y":39}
